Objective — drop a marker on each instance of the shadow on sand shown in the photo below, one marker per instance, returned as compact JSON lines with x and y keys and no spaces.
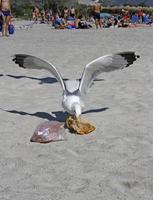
{"x":46,"y":80}
{"x":54,"y":116}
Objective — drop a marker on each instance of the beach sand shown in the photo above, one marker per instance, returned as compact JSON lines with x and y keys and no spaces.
{"x":115,"y":162}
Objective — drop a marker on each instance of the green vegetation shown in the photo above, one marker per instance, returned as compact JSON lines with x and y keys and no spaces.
{"x":23,"y":8}
{"x":132,"y":9}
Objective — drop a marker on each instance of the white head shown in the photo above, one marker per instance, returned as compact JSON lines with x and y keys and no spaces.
{"x":77,"y":109}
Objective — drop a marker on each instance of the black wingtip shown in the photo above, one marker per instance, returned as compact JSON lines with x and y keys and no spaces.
{"x":19,"y":59}
{"x":130,"y":57}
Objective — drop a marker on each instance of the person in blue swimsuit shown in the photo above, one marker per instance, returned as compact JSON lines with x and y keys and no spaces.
{"x":96,"y":12}
{"x":5,"y":8}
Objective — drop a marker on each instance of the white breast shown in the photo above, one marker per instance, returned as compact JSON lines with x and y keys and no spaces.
{"x":69,"y":101}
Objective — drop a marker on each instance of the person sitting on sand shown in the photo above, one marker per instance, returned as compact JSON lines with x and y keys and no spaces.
{"x":5,"y":8}
{"x":134,"y":19}
{"x":72,"y":11}
{"x":140,"y":16}
{"x":59,"y":22}
{"x":81,"y":23}
{"x":65,"y":13}
{"x":71,"y":20}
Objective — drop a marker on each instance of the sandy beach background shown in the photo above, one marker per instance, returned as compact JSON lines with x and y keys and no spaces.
{"x":116,"y":161}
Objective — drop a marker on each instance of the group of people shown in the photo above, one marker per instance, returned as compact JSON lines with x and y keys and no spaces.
{"x":123,"y":19}
{"x":5,"y":16}
{"x":69,"y":18}
{"x":66,"y":18}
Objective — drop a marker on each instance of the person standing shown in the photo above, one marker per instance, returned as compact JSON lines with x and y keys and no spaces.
{"x":35,"y":14}
{"x":96,"y":12}
{"x":5,"y":7}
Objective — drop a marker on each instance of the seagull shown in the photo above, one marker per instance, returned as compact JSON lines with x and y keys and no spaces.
{"x":74,"y":91}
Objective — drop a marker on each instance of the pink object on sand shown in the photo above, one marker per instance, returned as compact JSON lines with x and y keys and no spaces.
{"x":48,"y":132}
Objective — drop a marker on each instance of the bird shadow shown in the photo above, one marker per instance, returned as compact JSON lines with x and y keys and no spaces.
{"x":53,"y":116}
{"x":95,"y":110}
{"x":46,"y":80}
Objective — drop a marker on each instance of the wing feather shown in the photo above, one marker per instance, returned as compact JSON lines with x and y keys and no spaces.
{"x":72,"y":85}
{"x":32,"y":62}
{"x":103,"y":64}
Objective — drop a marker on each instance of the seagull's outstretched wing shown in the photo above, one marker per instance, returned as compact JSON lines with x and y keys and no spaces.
{"x":32,"y":62}
{"x":105,"y":63}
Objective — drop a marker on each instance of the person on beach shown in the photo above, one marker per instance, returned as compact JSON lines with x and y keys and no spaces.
{"x":49,"y":15}
{"x":35,"y":14}
{"x":81,"y":23}
{"x":65,"y":13}
{"x":96,"y":13}
{"x":59,"y":22}
{"x":72,"y":11}
{"x":5,"y":8}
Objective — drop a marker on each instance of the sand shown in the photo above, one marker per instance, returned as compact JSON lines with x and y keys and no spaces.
{"x":113,"y":163}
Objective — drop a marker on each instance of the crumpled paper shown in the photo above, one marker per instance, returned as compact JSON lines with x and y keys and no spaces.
{"x":79,"y":126}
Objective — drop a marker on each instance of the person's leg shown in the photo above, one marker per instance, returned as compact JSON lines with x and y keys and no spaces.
{"x":96,"y":23}
{"x":3,"y":26}
{"x":100,"y":23}
{"x":7,"y":24}
{"x":6,"y":21}
{"x":96,"y":20}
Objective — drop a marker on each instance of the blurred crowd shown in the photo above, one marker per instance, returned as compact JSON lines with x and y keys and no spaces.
{"x":69,"y":18}
{"x":66,"y":18}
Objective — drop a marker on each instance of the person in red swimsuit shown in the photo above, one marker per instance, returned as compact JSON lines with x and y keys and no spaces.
{"x":5,"y":7}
